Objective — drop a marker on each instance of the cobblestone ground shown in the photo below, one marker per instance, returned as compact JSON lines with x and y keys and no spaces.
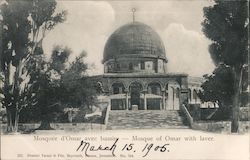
{"x":145,"y":120}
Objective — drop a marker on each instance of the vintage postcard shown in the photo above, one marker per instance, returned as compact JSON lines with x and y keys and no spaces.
{"x":124,"y":79}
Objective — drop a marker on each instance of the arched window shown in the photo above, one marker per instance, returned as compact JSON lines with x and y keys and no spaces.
{"x":118,"y":88}
{"x":135,"y":86}
{"x":154,"y":88}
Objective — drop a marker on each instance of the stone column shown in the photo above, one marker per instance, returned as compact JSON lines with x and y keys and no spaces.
{"x":145,"y":101}
{"x":163,"y":100}
{"x":191,"y":95}
{"x":161,"y":107}
{"x":109,"y":106}
{"x":127,"y":100}
{"x":170,"y":98}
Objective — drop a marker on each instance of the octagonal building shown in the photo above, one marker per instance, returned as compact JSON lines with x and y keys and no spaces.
{"x":135,"y":72}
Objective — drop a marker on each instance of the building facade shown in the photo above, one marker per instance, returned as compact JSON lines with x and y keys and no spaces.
{"x":136,"y":75}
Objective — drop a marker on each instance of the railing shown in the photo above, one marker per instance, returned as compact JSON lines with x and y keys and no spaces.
{"x":187,"y":114}
{"x":107,"y":115}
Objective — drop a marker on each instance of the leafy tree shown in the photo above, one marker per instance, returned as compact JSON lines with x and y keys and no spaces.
{"x":49,"y":86}
{"x":218,"y":88}
{"x":16,"y":29}
{"x":61,"y":84}
{"x":24,"y":25}
{"x":226,"y":25}
{"x":80,"y":89}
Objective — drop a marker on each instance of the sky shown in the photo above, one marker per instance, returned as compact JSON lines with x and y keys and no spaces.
{"x":178,"y":23}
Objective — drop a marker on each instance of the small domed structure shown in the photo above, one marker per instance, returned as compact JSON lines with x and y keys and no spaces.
{"x":132,"y":46}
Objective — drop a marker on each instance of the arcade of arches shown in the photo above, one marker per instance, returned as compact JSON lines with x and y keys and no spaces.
{"x":153,"y":98}
{"x":164,"y":92}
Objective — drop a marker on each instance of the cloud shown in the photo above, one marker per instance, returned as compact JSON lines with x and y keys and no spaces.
{"x":187,"y":50}
{"x":90,"y":23}
{"x":159,"y":14}
{"x":86,"y":28}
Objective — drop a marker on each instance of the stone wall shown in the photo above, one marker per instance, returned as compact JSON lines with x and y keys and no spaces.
{"x":221,"y":126}
{"x":244,"y":113}
{"x":187,"y":115}
{"x":217,"y":127}
{"x":26,"y":127}
{"x":244,"y":126}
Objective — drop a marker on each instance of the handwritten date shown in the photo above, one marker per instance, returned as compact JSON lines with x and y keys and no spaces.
{"x":91,"y":150}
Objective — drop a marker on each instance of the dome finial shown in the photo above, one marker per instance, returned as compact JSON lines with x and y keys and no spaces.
{"x":133,"y":10}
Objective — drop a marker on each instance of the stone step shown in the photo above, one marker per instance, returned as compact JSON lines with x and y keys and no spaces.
{"x":142,"y":119}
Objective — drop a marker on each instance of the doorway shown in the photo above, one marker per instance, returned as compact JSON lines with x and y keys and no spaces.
{"x":135,"y":93}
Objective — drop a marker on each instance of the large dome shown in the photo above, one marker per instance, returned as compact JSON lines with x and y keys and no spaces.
{"x":134,"y":39}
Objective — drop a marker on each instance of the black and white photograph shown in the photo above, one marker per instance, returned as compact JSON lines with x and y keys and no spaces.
{"x":124,"y":79}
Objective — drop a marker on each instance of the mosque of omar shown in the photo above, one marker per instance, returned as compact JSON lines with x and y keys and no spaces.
{"x":136,"y":74}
